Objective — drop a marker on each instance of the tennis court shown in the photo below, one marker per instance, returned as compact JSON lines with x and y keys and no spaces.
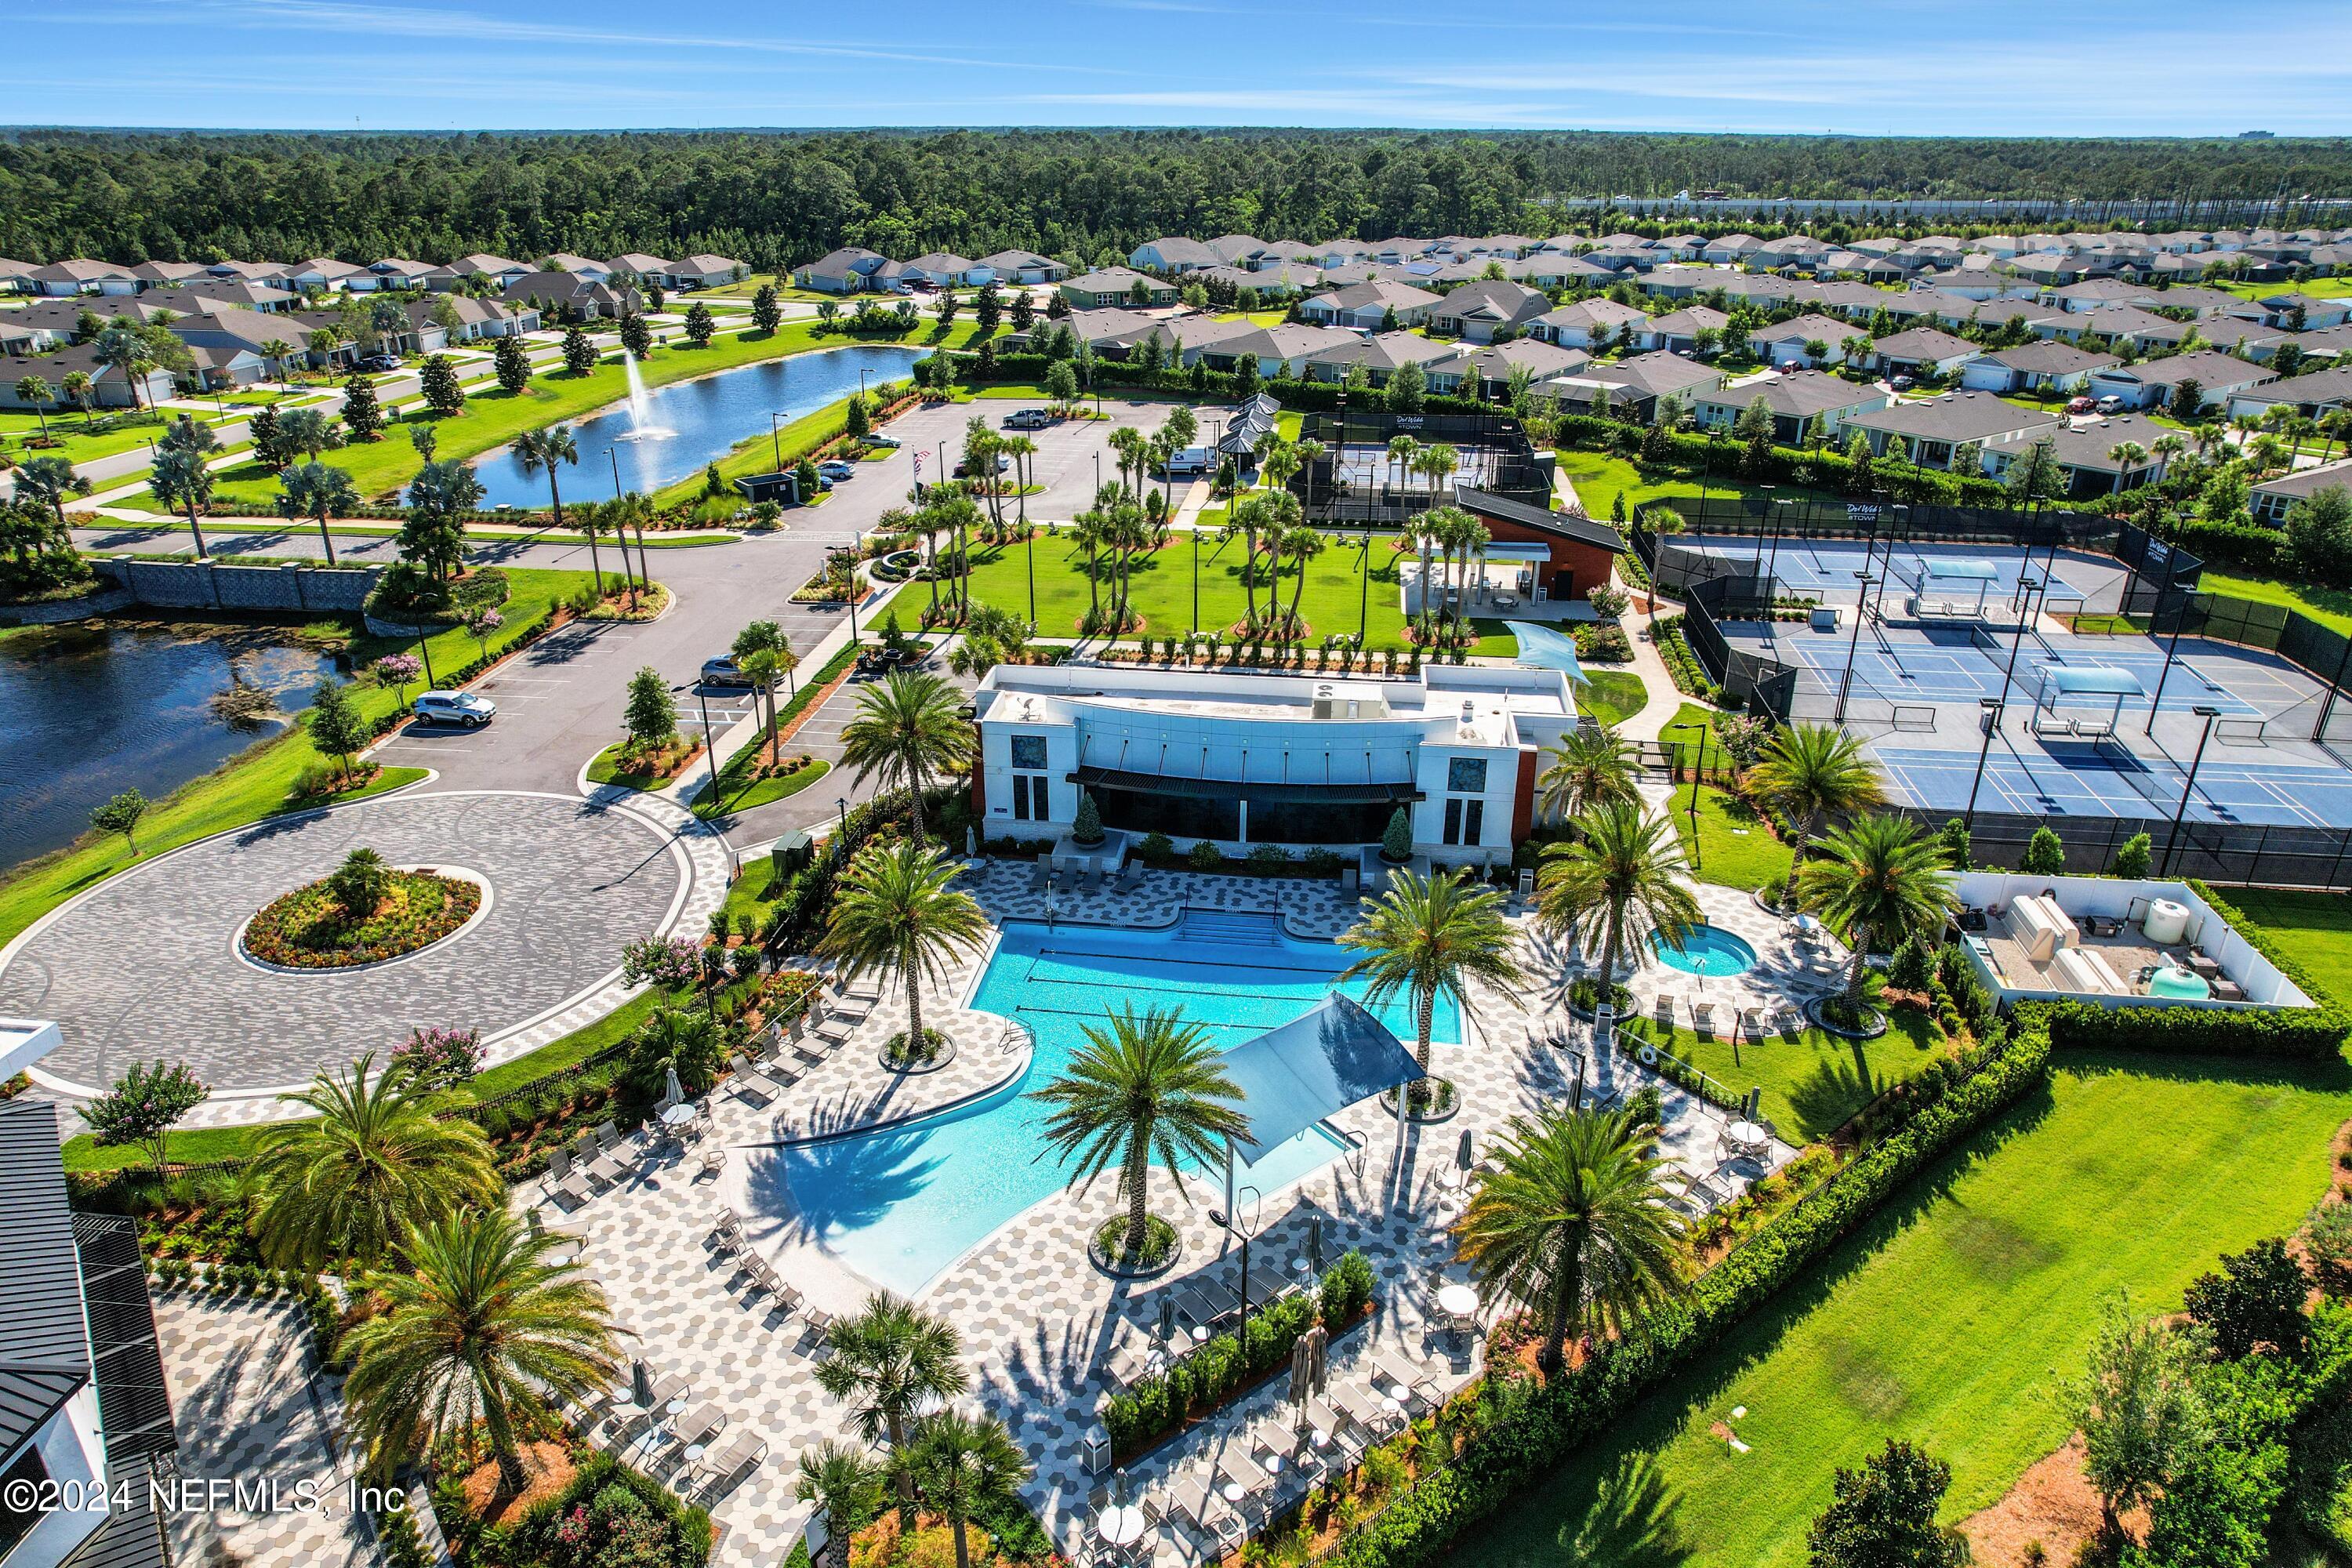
{"x":1945,"y":665}
{"x":2107,"y":779}
{"x":1824,"y":568}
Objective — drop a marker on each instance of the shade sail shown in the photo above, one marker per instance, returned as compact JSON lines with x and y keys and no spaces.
{"x":1314,"y":1067}
{"x":2093,"y":681}
{"x":1962,"y":570}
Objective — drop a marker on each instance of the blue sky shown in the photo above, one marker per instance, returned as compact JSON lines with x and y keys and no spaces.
{"x":1867,"y":67}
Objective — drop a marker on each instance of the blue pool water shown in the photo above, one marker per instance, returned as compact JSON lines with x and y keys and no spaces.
{"x":1707,"y":950}
{"x":901,"y":1205}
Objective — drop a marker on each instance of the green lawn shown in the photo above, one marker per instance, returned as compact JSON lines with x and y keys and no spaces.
{"x":774,"y":787}
{"x":75,"y":446}
{"x":492,"y":419}
{"x":1732,"y":846}
{"x":2316,"y":927}
{"x":1813,"y":1084}
{"x":254,"y":783}
{"x":1944,"y":1320}
{"x":1601,"y":478}
{"x":1611,"y":696}
{"x":2317,"y":288}
{"x":2331,"y":607}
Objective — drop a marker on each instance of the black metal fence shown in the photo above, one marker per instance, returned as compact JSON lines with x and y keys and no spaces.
{"x":1327,"y":491}
{"x":2236,"y":854}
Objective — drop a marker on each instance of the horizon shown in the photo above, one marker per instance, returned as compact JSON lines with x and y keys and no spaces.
{"x":2167,"y":70}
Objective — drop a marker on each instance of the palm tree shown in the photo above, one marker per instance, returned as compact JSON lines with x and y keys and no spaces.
{"x":1429,"y":937}
{"x":1281,"y":462}
{"x":2335,"y":425}
{"x":1881,"y":878}
{"x":910,"y":728}
{"x":316,"y":491}
{"x":892,"y":1357}
{"x":119,"y":348}
{"x":1810,"y":773}
{"x":77,"y":386}
{"x":48,"y":481}
{"x":1574,"y":1223}
{"x":475,"y":1320}
{"x":537,"y":449}
{"x":2127,"y":456}
{"x":180,"y":478}
{"x":369,"y":1161}
{"x":964,"y":1462}
{"x":1625,"y":864}
{"x":1150,"y":1085}
{"x":35,"y":390}
{"x":893,"y":910}
{"x":1589,"y":767}
{"x":844,"y":1485}
{"x":1301,"y":544}
{"x":1437,"y":464}
{"x":1249,"y":515}
{"x":1403,"y":454}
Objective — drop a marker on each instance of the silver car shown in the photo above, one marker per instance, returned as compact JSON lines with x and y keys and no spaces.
{"x":460,"y":708}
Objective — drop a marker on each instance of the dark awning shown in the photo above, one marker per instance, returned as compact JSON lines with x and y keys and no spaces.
{"x":1234,"y":789}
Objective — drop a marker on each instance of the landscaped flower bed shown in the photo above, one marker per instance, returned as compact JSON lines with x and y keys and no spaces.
{"x":310,"y":929}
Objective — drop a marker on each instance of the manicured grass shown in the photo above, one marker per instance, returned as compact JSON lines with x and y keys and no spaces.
{"x":1813,"y":1084}
{"x":76,"y":445}
{"x":492,"y":419}
{"x":2316,"y":927}
{"x":607,"y":769}
{"x":254,"y":782}
{"x":1600,"y":480}
{"x":1944,"y":1320}
{"x":2317,"y":288}
{"x":1611,"y":696}
{"x":1257,"y":318}
{"x":2331,"y":607}
{"x":775,"y":788}
{"x":1731,"y":846}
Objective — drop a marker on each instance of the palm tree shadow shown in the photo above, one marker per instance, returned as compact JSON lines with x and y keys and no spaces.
{"x":1840,"y":1085}
{"x":1633,"y":1521}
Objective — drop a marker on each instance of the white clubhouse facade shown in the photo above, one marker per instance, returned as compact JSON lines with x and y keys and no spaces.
{"x":1247,"y":759}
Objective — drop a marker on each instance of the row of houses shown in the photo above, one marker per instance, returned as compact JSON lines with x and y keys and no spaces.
{"x":853,"y":270}
{"x":81,"y":275}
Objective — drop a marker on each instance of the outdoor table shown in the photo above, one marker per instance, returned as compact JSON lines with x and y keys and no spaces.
{"x":1458,"y":1301}
{"x":1122,"y":1526}
{"x":677,"y":1116}
{"x":1232,"y":1492}
{"x":1747,"y":1134}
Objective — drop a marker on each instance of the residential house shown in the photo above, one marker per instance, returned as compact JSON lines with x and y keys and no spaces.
{"x":2044,"y":368}
{"x":169,"y":274}
{"x":2321,"y":391}
{"x":1799,"y":252}
{"x":1112,"y":331}
{"x":229,"y":331}
{"x":2097,"y":293}
{"x":1117,"y":286}
{"x":648,"y":269}
{"x":564,"y":262}
{"x":1025,"y":267}
{"x":1588,"y":324}
{"x":1677,"y":331}
{"x":500,"y":270}
{"x":1634,"y":385}
{"x":1368,"y":307}
{"x":1923,"y":351}
{"x":212,"y":293}
{"x":84,"y":1408}
{"x":2317,"y":314}
{"x":704,"y":270}
{"x":945,"y":270}
{"x":1242,"y":250}
{"x":462,"y":319}
{"x":2149,"y":383}
{"x":1731,"y":249}
{"x":1789,"y":342}
{"x":1796,"y":401}
{"x":2319,"y":347}
{"x":220,"y":370}
{"x":1380,"y":354}
{"x":107,"y":386}
{"x":319,"y":273}
{"x":2272,"y":500}
{"x":849,"y":270}
{"x":248,"y":271}
{"x":564,"y":297}
{"x":1476,"y":311}
{"x":1486,"y":373}
{"x":1934,"y":429}
{"x":1285,"y":349}
{"x":2086,"y":454}
{"x":82,"y":276}
{"x":392,"y":272}
{"x":1286,"y":280}
{"x":1173,"y":255}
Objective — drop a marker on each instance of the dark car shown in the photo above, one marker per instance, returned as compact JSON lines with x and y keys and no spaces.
{"x":379,"y":362}
{"x":1901,"y":384}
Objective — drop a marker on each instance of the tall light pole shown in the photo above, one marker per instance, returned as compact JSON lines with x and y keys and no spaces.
{"x":2027,"y":586}
{"x":775,"y":440}
{"x":1990,"y":719}
{"x":1863,"y":579}
{"x":2172,"y":838}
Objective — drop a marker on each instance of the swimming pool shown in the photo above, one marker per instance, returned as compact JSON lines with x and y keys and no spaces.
{"x":1706,"y":949}
{"x":901,"y":1205}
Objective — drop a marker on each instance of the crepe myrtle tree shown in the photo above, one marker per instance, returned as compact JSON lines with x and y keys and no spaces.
{"x":141,"y":1108}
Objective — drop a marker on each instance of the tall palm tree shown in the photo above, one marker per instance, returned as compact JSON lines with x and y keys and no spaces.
{"x":963,"y":1463}
{"x":77,"y":386}
{"x":368,"y":1161}
{"x":1880,"y":878}
{"x":1588,"y":768}
{"x":910,"y":728}
{"x":1625,"y":864}
{"x":1251,"y":515}
{"x":1437,"y":464}
{"x":1150,"y":1085}
{"x":1813,"y":771}
{"x":182,"y":479}
{"x":119,"y":348}
{"x":1428,"y":937}
{"x":1301,"y":544}
{"x":537,"y":449}
{"x":846,"y":1485}
{"x":2127,"y":456}
{"x":36,"y":391}
{"x":317,"y":492}
{"x":890,"y":1359}
{"x":1403,"y":451}
{"x":1574,"y":1223}
{"x":475,"y":1321}
{"x":893,"y":910}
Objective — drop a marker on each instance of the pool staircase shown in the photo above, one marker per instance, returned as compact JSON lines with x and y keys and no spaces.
{"x":1230,"y":927}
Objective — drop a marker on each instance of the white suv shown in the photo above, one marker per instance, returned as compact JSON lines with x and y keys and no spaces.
{"x":454,"y":708}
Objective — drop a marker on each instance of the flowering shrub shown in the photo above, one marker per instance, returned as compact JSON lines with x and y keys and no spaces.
{"x":397,"y":670}
{"x":439,"y":1058}
{"x":672,"y":963}
{"x":309,"y":928}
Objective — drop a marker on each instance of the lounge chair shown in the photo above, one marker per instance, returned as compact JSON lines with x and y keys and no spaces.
{"x":1340,"y":1431}
{"x":1193,"y":1503}
{"x":748,"y":1077}
{"x":1703,"y":1019}
{"x":740,"y":1455}
{"x":1239,"y":1470}
{"x":1665,"y":1012}
{"x":1127,"y":1367}
{"x":1087,"y":882}
{"x":571,"y":1235}
{"x":836,"y":1029}
{"x":1416,"y":1381}
{"x":1131,"y":879}
{"x":1040,"y":876}
{"x":1364,"y":1410}
{"x":1202,"y":1309}
{"x":729,"y":1223}
{"x":816,"y":1318}
{"x":565,"y":1185}
{"x":1268,"y":1283}
{"x":602,"y":1163}
{"x":1751,"y":1024}
{"x":1789,"y":1021}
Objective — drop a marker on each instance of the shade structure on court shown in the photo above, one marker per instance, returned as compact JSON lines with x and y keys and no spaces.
{"x":1313,"y":1066}
{"x":1955,"y":585}
{"x":2091,"y":687}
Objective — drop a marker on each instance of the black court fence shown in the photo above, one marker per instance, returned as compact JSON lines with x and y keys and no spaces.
{"x":2237,"y":854}
{"x":1502,"y":461}
{"x":2322,"y":652}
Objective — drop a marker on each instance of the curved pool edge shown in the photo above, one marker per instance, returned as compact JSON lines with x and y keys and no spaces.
{"x":902,"y":1122}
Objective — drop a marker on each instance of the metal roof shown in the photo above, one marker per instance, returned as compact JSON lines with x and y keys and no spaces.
{"x":1964,"y":571}
{"x":44,"y":1341}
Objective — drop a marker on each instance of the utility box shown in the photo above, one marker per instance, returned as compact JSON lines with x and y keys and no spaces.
{"x":791,"y":853}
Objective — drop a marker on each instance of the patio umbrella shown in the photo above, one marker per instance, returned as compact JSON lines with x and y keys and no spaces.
{"x":1167,"y":1316}
{"x":1302,"y":1371}
{"x":1465,"y":1153}
{"x":1317,"y":1341}
{"x":677,"y":1092}
{"x":1315,"y":1246}
{"x":641,"y":1384}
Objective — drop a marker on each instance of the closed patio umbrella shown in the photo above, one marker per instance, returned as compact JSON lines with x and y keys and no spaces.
{"x":676,"y":1093}
{"x":1302,"y":1371}
{"x":1465,"y":1153}
{"x":1315,"y":1246}
{"x":641,"y":1384}
{"x":1167,"y":1316}
{"x":1317,"y":1341}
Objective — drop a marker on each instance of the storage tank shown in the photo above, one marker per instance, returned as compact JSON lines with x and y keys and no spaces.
{"x":2166,"y":921}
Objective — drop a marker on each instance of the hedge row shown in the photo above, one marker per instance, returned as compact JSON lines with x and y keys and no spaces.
{"x":2300,"y":1034}
{"x":1526,"y":1429}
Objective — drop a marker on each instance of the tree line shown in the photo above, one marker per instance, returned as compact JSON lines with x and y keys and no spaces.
{"x":777,"y":198}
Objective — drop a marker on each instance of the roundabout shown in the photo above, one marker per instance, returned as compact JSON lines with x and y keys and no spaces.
{"x":155,"y":964}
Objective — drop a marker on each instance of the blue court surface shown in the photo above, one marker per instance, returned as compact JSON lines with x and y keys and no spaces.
{"x":1825,"y":568}
{"x":2108,"y":780}
{"x":1951,"y":666}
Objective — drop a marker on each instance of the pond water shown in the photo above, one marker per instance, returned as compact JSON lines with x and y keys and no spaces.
{"x":94,"y":708}
{"x":705,"y":419}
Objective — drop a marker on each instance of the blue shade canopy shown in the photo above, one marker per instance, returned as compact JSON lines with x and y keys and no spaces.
{"x":1311,"y":1068}
{"x":2095,"y":681}
{"x":1546,"y":647}
{"x":1963,"y":570}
